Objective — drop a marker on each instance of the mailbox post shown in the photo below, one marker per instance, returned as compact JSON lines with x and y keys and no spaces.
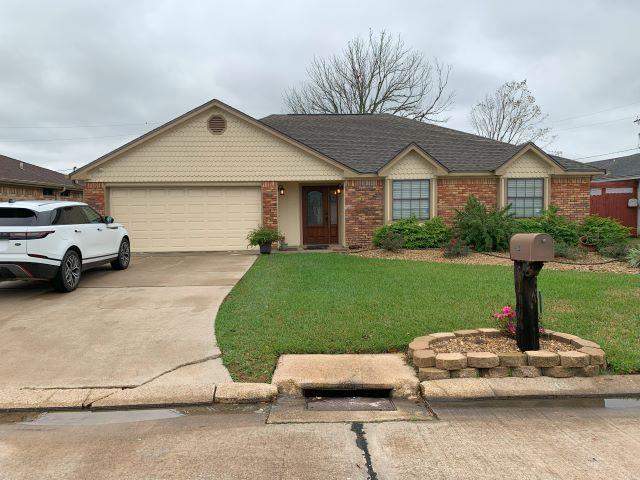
{"x":528,"y":251}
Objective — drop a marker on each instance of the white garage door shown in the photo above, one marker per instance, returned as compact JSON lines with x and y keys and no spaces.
{"x":175,"y":219}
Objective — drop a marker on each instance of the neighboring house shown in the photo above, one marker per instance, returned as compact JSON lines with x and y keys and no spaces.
{"x":24,"y":181}
{"x":617,"y":193}
{"x":204,"y":179}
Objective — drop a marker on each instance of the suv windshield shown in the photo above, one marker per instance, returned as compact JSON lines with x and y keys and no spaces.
{"x":17,"y":217}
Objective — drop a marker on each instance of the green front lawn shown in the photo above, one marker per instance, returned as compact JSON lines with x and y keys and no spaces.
{"x":336,"y":303}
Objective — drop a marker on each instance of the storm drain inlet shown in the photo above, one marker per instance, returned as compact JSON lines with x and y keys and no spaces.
{"x":348,"y":400}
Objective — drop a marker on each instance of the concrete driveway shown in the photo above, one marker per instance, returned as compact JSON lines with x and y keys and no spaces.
{"x":120,"y":328}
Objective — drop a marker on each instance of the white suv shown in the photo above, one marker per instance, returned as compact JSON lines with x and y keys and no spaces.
{"x":57,"y":241}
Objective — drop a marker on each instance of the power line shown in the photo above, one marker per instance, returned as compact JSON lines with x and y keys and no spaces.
{"x":593,"y":124}
{"x":609,"y":153}
{"x":594,"y":113}
{"x":81,"y":126}
{"x":22,"y":140}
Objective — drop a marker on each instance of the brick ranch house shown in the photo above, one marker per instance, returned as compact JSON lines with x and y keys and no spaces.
{"x":204,"y":179}
{"x":24,"y":181}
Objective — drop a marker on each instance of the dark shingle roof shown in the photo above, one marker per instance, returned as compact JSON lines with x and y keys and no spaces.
{"x":365,"y":143}
{"x":619,"y":168}
{"x":10,"y":172}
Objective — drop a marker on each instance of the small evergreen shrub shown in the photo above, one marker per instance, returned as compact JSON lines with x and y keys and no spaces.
{"x":619,"y":251}
{"x":485,"y":229}
{"x":390,"y":241}
{"x":566,"y":250}
{"x":602,"y":232}
{"x":456,"y":248}
{"x":549,"y":222}
{"x":633,"y":257}
{"x":431,"y":233}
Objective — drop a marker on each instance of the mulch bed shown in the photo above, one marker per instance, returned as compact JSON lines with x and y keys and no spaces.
{"x":502,"y":344}
{"x":437,"y":255}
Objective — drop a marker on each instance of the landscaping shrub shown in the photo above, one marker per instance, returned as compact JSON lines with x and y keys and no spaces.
{"x":391,"y":241}
{"x":619,"y":251}
{"x":565,"y":250}
{"x":486,"y":229}
{"x":633,"y":257}
{"x":263,"y":236}
{"x":559,"y":228}
{"x":431,"y":233}
{"x":602,"y":232}
{"x":456,"y":248}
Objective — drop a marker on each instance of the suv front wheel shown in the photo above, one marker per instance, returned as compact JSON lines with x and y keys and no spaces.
{"x":124,"y":256}
{"x":69,"y":273}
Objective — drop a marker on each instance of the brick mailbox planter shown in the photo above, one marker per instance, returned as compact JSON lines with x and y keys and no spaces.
{"x":578,"y":357}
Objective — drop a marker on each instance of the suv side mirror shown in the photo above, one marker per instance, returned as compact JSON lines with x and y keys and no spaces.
{"x":108,"y":219}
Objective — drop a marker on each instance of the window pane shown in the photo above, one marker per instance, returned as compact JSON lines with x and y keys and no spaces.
{"x":410,"y":198}
{"x":526,"y":196}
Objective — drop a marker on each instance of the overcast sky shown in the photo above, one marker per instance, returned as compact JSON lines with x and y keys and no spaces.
{"x":86,"y":77}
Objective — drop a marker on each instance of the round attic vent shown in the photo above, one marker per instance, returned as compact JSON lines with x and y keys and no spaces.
{"x":217,"y":124}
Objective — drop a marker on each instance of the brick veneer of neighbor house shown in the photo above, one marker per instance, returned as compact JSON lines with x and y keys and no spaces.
{"x":571,"y":196}
{"x":364,"y":210}
{"x":19,"y":192}
{"x":94,"y":195}
{"x":453,"y":193}
{"x":270,"y":204}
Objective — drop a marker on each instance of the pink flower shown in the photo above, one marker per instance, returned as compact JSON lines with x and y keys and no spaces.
{"x":508,"y":311}
{"x":511,"y":328}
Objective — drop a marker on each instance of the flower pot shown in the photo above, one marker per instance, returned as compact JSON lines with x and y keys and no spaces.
{"x":265,"y":248}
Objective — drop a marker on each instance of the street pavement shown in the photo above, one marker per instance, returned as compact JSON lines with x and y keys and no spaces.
{"x":501,"y":440}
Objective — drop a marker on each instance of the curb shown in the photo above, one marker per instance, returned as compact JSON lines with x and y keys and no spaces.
{"x":540,"y":387}
{"x":146,"y":396}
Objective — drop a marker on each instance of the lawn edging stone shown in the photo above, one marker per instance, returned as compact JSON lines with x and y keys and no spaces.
{"x":586,"y":359}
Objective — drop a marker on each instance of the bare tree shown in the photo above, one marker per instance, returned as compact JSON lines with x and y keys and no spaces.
{"x":375,"y":75}
{"x":511,"y":115}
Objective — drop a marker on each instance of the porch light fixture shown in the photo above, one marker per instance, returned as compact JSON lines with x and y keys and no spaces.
{"x":339,"y":190}
{"x":281,"y":189}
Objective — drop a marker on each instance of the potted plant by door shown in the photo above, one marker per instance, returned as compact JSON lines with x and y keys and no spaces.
{"x":263,"y":237}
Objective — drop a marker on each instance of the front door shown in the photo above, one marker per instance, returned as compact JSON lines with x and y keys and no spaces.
{"x":319,"y":215}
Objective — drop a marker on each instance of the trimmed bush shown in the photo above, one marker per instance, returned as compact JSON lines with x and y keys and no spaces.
{"x":602,"y":232}
{"x":391,"y":241}
{"x":485,"y":229}
{"x":619,"y":251}
{"x":431,"y":233}
{"x":565,"y":250}
{"x":456,"y":248}
{"x":561,"y":229}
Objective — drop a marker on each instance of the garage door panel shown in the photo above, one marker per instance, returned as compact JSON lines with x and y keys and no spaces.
{"x":186,"y":218}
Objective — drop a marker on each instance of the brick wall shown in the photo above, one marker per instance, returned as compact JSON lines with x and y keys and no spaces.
{"x":94,"y":195}
{"x":571,"y":196}
{"x":23,"y":192}
{"x":364,"y":210}
{"x":453,"y":193}
{"x":270,"y":204}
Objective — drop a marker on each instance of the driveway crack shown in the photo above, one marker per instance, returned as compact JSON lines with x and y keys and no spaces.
{"x":127,"y":387}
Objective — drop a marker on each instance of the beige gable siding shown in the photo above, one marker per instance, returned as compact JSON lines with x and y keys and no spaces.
{"x":411,"y":166}
{"x":529,"y":165}
{"x":188,"y":152}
